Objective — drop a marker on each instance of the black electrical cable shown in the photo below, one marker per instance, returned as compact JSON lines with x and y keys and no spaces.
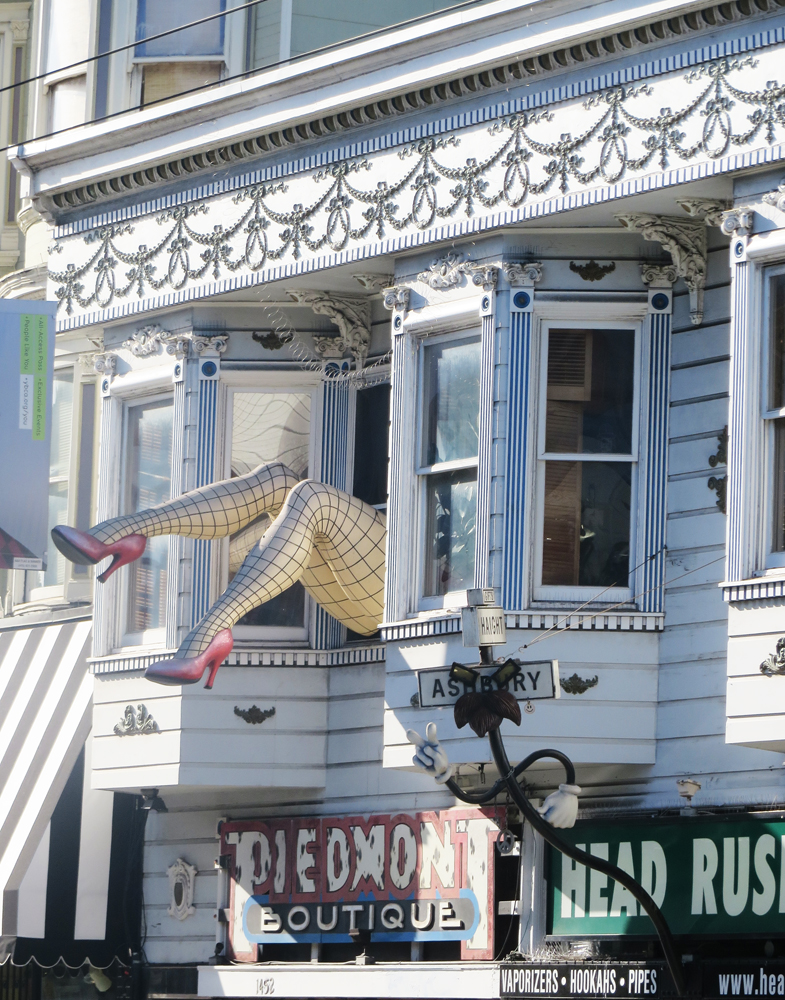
{"x":204,"y":86}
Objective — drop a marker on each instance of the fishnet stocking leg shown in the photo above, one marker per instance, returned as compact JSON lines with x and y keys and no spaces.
{"x":349,"y":536}
{"x":210,"y":512}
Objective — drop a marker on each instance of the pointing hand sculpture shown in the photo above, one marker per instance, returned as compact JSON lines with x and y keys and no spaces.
{"x":331,"y":541}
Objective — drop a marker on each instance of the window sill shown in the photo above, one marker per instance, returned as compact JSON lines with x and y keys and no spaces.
{"x":768,"y":584}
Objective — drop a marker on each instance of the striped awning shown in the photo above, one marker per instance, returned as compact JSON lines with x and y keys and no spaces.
{"x":45,"y":718}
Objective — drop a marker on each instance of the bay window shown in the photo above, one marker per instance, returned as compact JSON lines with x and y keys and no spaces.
{"x":587,"y":460}
{"x":449,"y":446}
{"x":148,"y":481}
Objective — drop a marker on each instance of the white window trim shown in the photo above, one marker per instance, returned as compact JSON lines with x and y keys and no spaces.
{"x":273,"y":382}
{"x":453,"y":598}
{"x":561,"y":315}
{"x":773,"y":562}
{"x":154,"y":636}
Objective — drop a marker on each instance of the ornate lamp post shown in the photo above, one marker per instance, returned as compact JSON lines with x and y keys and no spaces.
{"x":484,"y":711}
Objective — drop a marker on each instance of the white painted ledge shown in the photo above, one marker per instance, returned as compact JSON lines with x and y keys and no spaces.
{"x":457,"y":980}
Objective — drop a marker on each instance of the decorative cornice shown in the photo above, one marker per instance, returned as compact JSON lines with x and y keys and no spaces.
{"x":685,"y":241}
{"x":522,"y":272}
{"x":500,"y":77}
{"x":374,"y":282}
{"x":352,"y":316}
{"x":658,"y":275}
{"x":707,"y":210}
{"x":738,"y":221}
{"x":152,"y":339}
{"x":588,"y":621}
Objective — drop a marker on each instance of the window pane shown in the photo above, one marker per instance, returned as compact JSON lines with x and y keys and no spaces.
{"x":154,"y":16}
{"x":450,"y":526}
{"x":777,"y":322}
{"x":371,"y":444}
{"x":148,"y":482}
{"x":590,"y":389}
{"x":269,"y":427}
{"x":452,"y":401}
{"x":160,"y":81}
{"x":778,"y":505}
{"x":586,"y":531}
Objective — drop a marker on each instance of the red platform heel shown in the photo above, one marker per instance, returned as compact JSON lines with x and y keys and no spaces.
{"x":80,"y":547}
{"x":191,"y":671}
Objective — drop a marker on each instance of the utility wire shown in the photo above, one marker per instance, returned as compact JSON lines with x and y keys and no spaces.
{"x":131,"y":45}
{"x":204,"y":86}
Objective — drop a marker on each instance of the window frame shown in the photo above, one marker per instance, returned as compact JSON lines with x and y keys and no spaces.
{"x":571,"y":318}
{"x":773,"y":561}
{"x":147,"y":637}
{"x":274,"y":383}
{"x":453,"y":598}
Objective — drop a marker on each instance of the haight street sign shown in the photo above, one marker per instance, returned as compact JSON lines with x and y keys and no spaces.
{"x":539,"y":679}
{"x":709,"y":877}
{"x":421,"y":877}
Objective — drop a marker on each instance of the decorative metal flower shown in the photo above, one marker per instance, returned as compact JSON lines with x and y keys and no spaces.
{"x":486,"y":708}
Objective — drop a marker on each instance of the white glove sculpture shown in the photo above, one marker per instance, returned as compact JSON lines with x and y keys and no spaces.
{"x":430,"y":756}
{"x":560,"y":809}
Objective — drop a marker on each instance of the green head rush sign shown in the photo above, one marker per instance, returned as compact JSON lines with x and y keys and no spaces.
{"x":707,"y":877}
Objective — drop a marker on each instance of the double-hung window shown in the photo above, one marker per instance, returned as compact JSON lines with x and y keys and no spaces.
{"x":147,"y":482}
{"x":587,"y":462}
{"x":774,"y":415}
{"x":183,"y":60}
{"x":449,"y":446}
{"x":268,"y":426}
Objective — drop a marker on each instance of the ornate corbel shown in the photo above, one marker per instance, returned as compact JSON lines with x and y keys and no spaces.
{"x":685,"y":241}
{"x":352,"y":316}
{"x":774,"y":664}
{"x":737,"y":221}
{"x":706,"y":210}
{"x":522,"y":272}
{"x":375,"y":282}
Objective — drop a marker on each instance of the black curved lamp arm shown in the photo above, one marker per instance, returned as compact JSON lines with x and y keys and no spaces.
{"x":480,"y":798}
{"x":598,"y":864}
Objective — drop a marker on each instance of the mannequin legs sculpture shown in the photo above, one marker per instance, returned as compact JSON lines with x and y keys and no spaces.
{"x":331,"y":541}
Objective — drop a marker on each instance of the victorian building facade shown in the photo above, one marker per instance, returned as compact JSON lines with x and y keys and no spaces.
{"x":513,"y":274}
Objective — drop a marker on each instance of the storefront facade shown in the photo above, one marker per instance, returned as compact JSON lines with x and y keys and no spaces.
{"x":511,"y":276}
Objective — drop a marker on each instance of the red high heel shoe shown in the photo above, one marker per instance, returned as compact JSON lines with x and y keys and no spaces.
{"x":85,"y":549}
{"x":191,"y":671}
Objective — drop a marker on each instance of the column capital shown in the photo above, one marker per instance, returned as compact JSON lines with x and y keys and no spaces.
{"x":658,"y":275}
{"x":527,"y":272}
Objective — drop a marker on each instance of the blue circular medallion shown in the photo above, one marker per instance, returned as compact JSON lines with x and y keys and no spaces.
{"x":521,"y":300}
{"x":660,"y":301}
{"x":739,"y":249}
{"x":209,"y":368}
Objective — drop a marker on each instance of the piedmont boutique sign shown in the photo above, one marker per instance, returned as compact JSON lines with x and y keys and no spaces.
{"x":422,"y":877}
{"x":708,"y":877}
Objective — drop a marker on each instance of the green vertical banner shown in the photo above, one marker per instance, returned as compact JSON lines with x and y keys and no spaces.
{"x":27,"y":338}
